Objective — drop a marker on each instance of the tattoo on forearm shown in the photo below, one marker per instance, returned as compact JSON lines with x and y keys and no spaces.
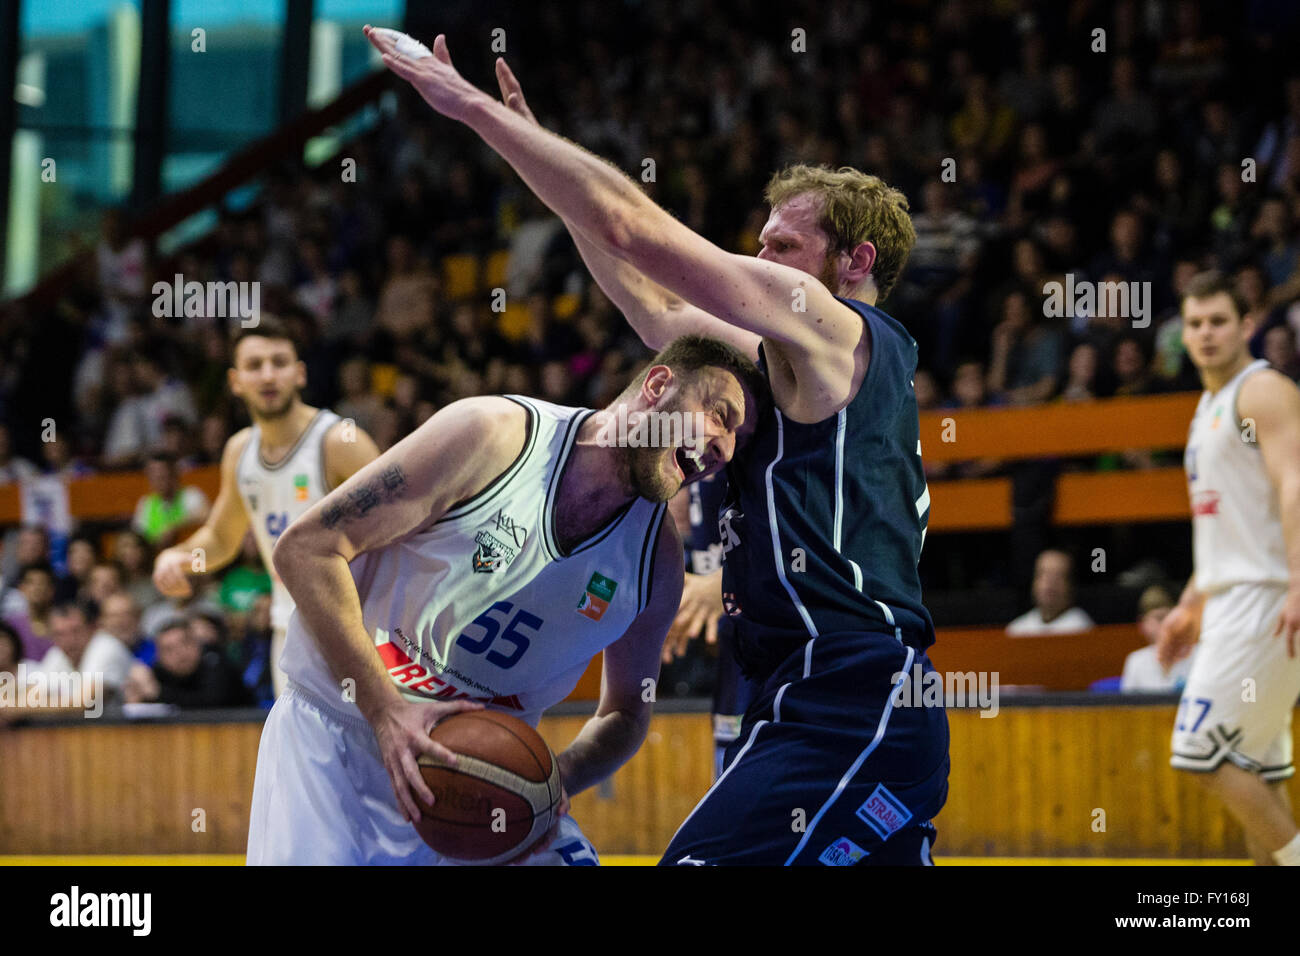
{"x":360,"y":501}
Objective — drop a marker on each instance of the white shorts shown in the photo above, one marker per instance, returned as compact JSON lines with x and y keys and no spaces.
{"x":1237,"y":701}
{"x":278,"y":679}
{"x":322,"y":797}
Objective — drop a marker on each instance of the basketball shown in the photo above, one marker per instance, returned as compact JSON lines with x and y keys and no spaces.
{"x":499,"y":799}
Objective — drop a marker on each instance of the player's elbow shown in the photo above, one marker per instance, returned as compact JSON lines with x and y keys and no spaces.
{"x":291,"y":548}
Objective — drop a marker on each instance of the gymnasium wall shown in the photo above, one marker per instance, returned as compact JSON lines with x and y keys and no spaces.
{"x":1041,"y":778}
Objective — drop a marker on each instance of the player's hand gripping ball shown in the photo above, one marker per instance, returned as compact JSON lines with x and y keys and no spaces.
{"x":500,"y":799}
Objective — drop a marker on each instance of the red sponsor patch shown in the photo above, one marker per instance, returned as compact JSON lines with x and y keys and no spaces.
{"x":1205,"y":503}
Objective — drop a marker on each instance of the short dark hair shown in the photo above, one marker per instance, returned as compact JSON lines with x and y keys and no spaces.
{"x":1206,"y":284}
{"x":43,"y":566}
{"x":88,"y":608}
{"x":268,"y":327}
{"x":689,"y":354}
{"x":9,"y":634}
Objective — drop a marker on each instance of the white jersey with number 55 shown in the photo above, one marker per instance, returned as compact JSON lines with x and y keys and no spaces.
{"x":483,"y":604}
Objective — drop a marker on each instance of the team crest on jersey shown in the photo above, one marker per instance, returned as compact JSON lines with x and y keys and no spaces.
{"x":492,"y":553}
{"x":595,"y":600}
{"x":843,"y":852}
{"x":300,"y":488}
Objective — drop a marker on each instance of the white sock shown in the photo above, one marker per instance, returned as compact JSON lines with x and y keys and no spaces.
{"x":1289,"y":855}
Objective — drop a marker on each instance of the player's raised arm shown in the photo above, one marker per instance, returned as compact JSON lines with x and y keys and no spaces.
{"x":217,"y":541}
{"x":449,"y":458}
{"x":655,"y":314}
{"x":784,"y":305}
{"x":631,"y":673}
{"x":1272,"y":401}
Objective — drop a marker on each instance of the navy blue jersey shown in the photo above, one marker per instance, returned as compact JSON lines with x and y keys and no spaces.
{"x":703,"y":544}
{"x":823,"y":528}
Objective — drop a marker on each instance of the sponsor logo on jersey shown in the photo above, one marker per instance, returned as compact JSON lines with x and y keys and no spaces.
{"x":1218,"y":413}
{"x":492,"y":553}
{"x":1205,"y":503}
{"x":883,"y":812}
{"x":595,"y":600}
{"x":418,"y":679}
{"x":843,"y":852}
{"x":300,"y":488}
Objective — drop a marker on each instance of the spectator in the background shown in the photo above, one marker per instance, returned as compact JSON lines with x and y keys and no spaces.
{"x":81,"y":559}
{"x":79,"y":648}
{"x":37,"y":586}
{"x":169,"y":507}
{"x":29,"y":545}
{"x":137,"y":424}
{"x":349,"y":322}
{"x":1128,"y":114}
{"x":135,"y":556}
{"x":11,"y":649}
{"x":213,"y":432}
{"x":120,"y":617}
{"x":122,"y":262}
{"x":1131,"y":366}
{"x":1027,"y":353}
{"x":105,"y":579}
{"x":1280,"y":349}
{"x":244,"y":581}
{"x":1142,"y":672}
{"x":1276,"y":249}
{"x":185,"y":673}
{"x":13,"y":468}
{"x":57,"y":458}
{"x":1081,"y":374}
{"x":1053,"y":593}
{"x":407,"y":300}
{"x":358,"y":402}
{"x":250,"y":651}
{"x":926,"y":390}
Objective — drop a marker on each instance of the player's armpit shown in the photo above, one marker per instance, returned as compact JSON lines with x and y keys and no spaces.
{"x":450,"y":458}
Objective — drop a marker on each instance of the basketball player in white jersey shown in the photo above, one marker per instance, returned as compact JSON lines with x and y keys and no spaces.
{"x":483,"y":561}
{"x":1243,"y":469}
{"x":271,"y":472}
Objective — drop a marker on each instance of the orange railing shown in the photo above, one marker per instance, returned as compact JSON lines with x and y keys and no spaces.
{"x":1156,"y":422}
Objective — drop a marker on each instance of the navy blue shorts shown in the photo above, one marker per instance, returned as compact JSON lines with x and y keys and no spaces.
{"x":827,"y":768}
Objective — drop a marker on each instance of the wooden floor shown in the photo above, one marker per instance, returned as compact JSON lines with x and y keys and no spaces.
{"x":613,"y":860}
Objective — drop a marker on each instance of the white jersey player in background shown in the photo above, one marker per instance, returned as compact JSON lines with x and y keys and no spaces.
{"x":271,"y":472}
{"x":484,"y":560}
{"x":1243,"y":470}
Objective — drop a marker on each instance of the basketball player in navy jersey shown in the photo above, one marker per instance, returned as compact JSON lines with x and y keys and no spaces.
{"x":829,"y":508}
